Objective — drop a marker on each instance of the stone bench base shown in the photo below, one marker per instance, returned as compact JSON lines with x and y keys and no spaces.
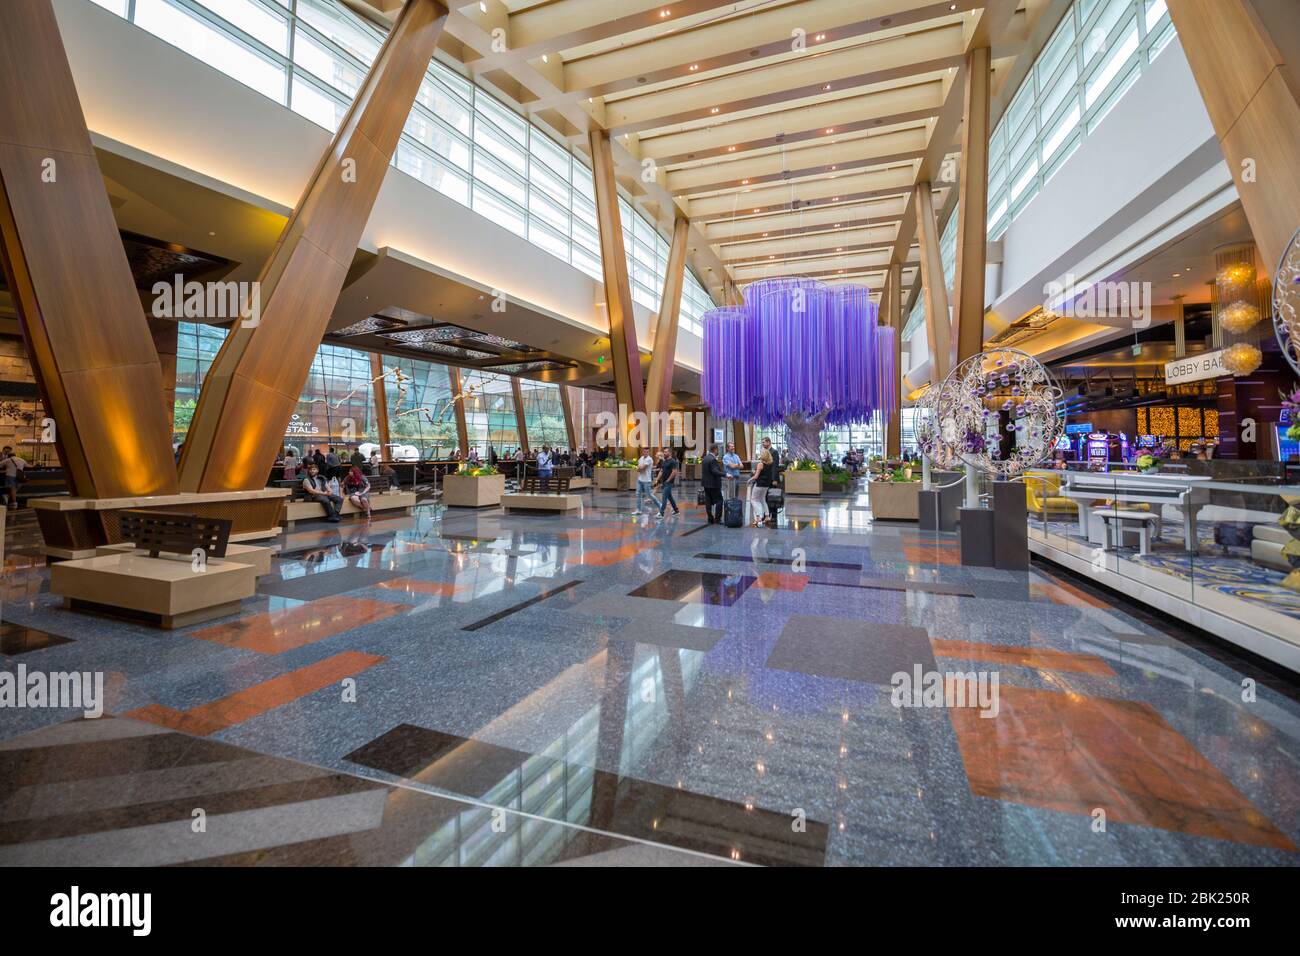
{"x":164,"y":591}
{"x":295,"y":511}
{"x":541,"y":502}
{"x":259,"y":558}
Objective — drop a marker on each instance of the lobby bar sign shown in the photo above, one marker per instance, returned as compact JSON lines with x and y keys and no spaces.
{"x":1195,"y":367}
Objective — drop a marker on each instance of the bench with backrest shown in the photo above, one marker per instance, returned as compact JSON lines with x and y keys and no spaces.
{"x":143,"y":579}
{"x":555,"y":485}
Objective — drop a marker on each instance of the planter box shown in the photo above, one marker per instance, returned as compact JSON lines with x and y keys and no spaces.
{"x":466,"y":491}
{"x":691,"y":471}
{"x":803,"y":482}
{"x":895,"y":500}
{"x":615,"y":479}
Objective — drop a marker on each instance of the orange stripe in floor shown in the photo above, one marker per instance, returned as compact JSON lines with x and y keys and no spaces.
{"x":274,"y":632}
{"x":254,"y":701}
{"x":781,"y":581}
{"x":930,"y":554}
{"x":603,"y":559}
{"x":1075,"y":754}
{"x":1062,"y":592}
{"x":1023,"y":657}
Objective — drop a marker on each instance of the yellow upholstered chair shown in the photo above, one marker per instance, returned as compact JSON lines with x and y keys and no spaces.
{"x":1043,"y":495}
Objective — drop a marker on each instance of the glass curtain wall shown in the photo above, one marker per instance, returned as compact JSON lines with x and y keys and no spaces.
{"x":420,"y":413}
{"x":1095,"y":56}
{"x":490,"y":413}
{"x":543,"y":414}
{"x":312,"y":56}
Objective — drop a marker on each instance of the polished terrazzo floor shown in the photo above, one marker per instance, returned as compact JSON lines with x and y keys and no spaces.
{"x":471,"y":687}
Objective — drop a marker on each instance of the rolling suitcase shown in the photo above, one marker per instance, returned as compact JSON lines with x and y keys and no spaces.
{"x":733,"y":513}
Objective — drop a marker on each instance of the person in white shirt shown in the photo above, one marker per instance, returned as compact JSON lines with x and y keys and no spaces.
{"x":645,"y":474}
{"x":12,"y":466}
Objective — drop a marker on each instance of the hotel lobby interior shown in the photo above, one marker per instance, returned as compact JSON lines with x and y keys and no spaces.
{"x":605,"y":433}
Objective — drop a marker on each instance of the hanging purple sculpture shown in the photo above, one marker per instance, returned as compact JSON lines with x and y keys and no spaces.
{"x":802,"y":353}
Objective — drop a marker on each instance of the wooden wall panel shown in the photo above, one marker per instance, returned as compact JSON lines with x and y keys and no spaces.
{"x":1253,"y":97}
{"x":570,"y":424}
{"x":89,"y":341}
{"x":379,"y":394}
{"x":626,"y":356}
{"x":520,"y":423}
{"x":938,"y":323}
{"x":972,"y":220}
{"x":253,"y":386}
{"x":659,"y":387}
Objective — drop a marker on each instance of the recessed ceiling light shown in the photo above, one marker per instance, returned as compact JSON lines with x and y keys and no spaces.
{"x":830,"y":129}
{"x":714,"y":110}
{"x":1177,"y":274}
{"x":765,"y":234}
{"x":826,"y":87}
{"x":744,"y":182}
{"x":755,"y":210}
{"x":820,"y":36}
{"x":665,"y":13}
{"x":835,"y":199}
{"x":952,"y":6}
{"x":694,"y":67}
{"x":482,"y":7}
{"x":731,"y":149}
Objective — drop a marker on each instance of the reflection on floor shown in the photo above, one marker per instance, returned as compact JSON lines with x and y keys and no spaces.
{"x":605,"y":688}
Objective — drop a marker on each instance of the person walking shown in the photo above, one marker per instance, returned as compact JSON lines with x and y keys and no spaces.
{"x":645,"y":476}
{"x":774,"y":478}
{"x":13,"y":468}
{"x":668,"y":474}
{"x":290,"y":466}
{"x":711,"y":475}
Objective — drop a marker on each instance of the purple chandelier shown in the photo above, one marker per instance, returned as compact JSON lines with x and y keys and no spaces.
{"x":798,"y":347}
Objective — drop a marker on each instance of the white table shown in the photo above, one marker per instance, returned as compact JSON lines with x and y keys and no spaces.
{"x":1157,"y":490}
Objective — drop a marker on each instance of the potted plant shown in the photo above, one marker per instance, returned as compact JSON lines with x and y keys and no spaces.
{"x":803,"y":477}
{"x":895,"y":495}
{"x":473,"y":486}
{"x":614,"y":474}
{"x":1147,"y":464}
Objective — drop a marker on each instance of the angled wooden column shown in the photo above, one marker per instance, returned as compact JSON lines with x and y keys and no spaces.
{"x":937,"y":321}
{"x":740,"y":437}
{"x":520,"y":424}
{"x":379,"y":394}
{"x":570,"y":427}
{"x":91,"y":350}
{"x":972,"y":209}
{"x":458,"y":405}
{"x":1237,"y":51}
{"x":891,"y":312}
{"x":250,"y":393}
{"x":659,"y":388}
{"x":628,"y":388}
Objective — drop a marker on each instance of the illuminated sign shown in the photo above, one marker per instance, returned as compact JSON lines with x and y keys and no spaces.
{"x":297,"y":426}
{"x":1193,"y":368}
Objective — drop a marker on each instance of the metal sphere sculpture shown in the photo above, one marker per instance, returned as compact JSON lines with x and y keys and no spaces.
{"x":929,"y":431}
{"x":802,"y":353}
{"x":997,"y":411}
{"x":1286,"y":303}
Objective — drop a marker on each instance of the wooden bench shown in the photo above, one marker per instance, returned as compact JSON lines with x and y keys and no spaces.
{"x":555,"y":485}
{"x":175,"y":572}
{"x":530,"y":496}
{"x":295,"y":511}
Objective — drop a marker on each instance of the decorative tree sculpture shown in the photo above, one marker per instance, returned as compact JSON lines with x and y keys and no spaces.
{"x":1286,"y":303}
{"x":801,"y":353}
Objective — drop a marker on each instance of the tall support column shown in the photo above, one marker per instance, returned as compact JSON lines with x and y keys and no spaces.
{"x":891,"y":310}
{"x":253,"y":386}
{"x":659,"y":388}
{"x":91,"y":350}
{"x":972,"y":208}
{"x":1180,"y":328}
{"x":938,"y":324}
{"x":379,"y":395}
{"x":458,"y":405}
{"x":570,"y":426}
{"x":740,"y":436}
{"x":521,"y":425}
{"x":1253,"y":97}
{"x":628,"y":388}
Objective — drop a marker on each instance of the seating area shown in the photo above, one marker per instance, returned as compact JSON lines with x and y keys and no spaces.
{"x":174,"y":573}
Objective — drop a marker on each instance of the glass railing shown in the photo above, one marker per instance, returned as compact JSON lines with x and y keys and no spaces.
{"x":1216,"y":535}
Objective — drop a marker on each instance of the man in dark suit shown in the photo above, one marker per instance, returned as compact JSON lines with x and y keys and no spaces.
{"x":711,"y":480}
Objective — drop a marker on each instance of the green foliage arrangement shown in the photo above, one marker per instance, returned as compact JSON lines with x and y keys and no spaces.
{"x":805,"y":464}
{"x":615,"y":463}
{"x":476,"y":471}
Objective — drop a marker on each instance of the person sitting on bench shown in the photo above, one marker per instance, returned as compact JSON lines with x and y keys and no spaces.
{"x":319,"y":490}
{"x":357,"y":488}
